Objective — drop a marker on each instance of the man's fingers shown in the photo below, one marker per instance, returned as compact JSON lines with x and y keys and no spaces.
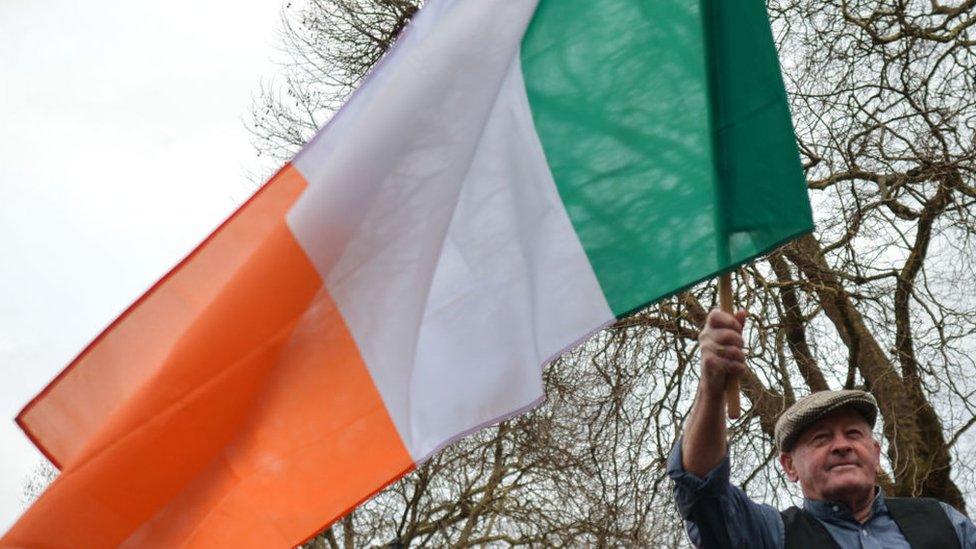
{"x":718,"y":365}
{"x":725,"y":337}
{"x":722,"y":346}
{"x":741,"y":316}
{"x":734,"y":368}
{"x":729,"y":352}
{"x":722,"y":320}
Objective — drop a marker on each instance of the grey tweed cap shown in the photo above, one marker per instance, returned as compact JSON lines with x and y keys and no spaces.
{"x":809,"y":409}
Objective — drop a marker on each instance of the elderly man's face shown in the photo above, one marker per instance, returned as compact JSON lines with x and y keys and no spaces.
{"x":835,"y":459}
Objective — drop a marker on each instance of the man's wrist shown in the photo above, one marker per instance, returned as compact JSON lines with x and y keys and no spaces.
{"x":711,"y":388}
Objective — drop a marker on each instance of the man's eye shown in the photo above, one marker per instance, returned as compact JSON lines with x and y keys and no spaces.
{"x":854,"y":434}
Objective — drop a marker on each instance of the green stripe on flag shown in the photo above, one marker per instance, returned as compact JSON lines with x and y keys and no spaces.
{"x":619,"y":91}
{"x":762,"y":191}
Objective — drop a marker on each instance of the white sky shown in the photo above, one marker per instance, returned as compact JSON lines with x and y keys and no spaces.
{"x":122,"y":145}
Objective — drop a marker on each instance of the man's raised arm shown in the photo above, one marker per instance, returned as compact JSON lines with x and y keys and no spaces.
{"x":716,"y":513}
{"x":704,"y":442}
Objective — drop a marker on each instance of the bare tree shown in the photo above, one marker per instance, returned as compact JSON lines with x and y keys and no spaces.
{"x":331,"y":45}
{"x":882,"y":296}
{"x":42,"y":475}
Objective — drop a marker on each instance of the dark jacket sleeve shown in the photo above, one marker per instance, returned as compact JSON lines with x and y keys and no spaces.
{"x":718,"y":514}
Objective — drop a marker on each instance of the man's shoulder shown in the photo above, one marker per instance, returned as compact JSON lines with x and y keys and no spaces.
{"x":921,"y":508}
{"x":928,"y":522}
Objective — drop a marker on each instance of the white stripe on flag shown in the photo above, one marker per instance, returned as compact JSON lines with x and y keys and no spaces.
{"x":433,"y":218}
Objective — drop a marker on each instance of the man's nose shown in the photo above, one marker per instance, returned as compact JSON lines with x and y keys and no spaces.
{"x":840,"y":444}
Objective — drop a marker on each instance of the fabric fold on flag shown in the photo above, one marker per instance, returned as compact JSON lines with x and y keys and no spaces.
{"x":508,"y":180}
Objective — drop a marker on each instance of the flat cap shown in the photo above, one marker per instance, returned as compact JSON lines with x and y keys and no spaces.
{"x":809,"y":409}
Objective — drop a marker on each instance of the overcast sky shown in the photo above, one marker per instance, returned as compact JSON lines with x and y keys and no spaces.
{"x":122,"y":145}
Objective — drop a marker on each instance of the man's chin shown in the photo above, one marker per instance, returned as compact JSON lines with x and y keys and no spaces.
{"x":846,"y":489}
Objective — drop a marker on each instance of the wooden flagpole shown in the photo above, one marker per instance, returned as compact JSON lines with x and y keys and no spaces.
{"x":732,"y":383}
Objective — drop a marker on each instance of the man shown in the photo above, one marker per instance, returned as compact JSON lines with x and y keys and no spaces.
{"x":826,"y":444}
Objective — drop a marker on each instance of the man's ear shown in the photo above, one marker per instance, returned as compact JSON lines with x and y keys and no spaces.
{"x":786,"y":460}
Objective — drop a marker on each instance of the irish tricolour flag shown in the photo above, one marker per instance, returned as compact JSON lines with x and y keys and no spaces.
{"x":511,"y":178}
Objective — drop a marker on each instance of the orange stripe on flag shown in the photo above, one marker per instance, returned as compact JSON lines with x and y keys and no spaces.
{"x":320,"y":441}
{"x":229,"y":405}
{"x":64,"y":417}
